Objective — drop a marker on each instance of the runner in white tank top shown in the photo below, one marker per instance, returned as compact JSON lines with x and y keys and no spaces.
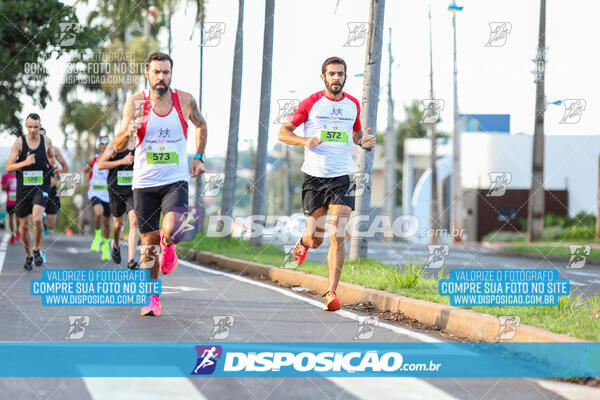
{"x":158,"y":117}
{"x":97,"y":188}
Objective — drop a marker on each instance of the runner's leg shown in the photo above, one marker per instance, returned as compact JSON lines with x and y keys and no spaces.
{"x":24,"y":222}
{"x":12,"y":222}
{"x":38,"y":229}
{"x":315,"y":228}
{"x":133,"y":235}
{"x":338,"y":220}
{"x":97,"y":216}
{"x":150,"y":244}
{"x":117,"y":225}
{"x":51,"y":221}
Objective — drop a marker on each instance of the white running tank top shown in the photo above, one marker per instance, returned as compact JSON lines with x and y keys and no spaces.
{"x":98,"y":186}
{"x":161,"y":152}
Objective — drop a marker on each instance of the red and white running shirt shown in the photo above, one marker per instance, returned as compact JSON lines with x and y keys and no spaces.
{"x":161,"y":153}
{"x":333,"y":121}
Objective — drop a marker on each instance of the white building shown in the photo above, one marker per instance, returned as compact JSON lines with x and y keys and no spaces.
{"x":570,"y":176}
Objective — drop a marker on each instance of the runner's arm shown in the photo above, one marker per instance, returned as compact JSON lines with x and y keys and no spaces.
{"x":201,"y":135}
{"x":50,"y":154}
{"x":367,"y":143}
{"x":61,"y":160}
{"x":200,"y":124}
{"x":86,"y":172}
{"x":287,"y":135}
{"x":12,"y":165}
{"x":104,"y":160}
{"x":128,"y":126}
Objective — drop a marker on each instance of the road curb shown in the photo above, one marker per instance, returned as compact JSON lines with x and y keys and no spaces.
{"x":459,"y":322}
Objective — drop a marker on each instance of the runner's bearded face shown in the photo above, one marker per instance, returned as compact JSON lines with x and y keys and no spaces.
{"x":334,"y":78}
{"x":159,"y":76}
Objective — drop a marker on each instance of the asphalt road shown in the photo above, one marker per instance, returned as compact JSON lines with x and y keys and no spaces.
{"x":192,"y":296}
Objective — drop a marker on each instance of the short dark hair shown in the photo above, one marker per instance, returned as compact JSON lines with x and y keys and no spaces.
{"x":158,"y":56}
{"x":43,"y":129}
{"x":332,"y":60}
{"x":33,"y":116}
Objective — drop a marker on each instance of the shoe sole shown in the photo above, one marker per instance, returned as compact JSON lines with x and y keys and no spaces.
{"x":150,"y":314}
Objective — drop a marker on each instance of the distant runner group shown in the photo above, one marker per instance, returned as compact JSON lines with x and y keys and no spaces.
{"x":143,"y":172}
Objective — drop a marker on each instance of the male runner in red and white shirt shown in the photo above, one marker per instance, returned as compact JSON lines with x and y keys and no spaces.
{"x":331,"y":121}
{"x":160,"y":167}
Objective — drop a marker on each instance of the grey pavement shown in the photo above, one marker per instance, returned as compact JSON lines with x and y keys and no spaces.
{"x":192,"y":296}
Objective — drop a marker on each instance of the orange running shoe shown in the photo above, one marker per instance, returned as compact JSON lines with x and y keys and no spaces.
{"x":300,"y":252}
{"x":332,"y":302}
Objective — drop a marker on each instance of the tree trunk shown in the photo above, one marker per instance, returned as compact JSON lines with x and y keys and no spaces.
{"x":370,"y":99}
{"x":536,"y":204}
{"x":260,"y":182}
{"x":227,"y":203}
{"x":390,"y":148}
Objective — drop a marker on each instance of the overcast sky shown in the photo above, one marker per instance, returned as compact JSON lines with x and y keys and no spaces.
{"x":491,"y":79}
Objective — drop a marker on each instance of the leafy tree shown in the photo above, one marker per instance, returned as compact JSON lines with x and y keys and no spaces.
{"x":32,"y":32}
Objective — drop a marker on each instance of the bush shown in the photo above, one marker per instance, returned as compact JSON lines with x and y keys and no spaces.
{"x":579,"y":233}
{"x":582,"y":219}
{"x":553,"y":232}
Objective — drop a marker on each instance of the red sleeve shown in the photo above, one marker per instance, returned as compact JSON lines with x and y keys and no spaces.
{"x":4,"y":179}
{"x":357,"y":126}
{"x":301,"y":113}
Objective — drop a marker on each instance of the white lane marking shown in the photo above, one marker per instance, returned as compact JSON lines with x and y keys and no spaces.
{"x":569,"y":391}
{"x":142,"y":389}
{"x":568,"y":271}
{"x":346,"y":314}
{"x":72,"y":250}
{"x":572,"y":282}
{"x":3,"y":249}
{"x":391,"y":388}
{"x":182,"y":288}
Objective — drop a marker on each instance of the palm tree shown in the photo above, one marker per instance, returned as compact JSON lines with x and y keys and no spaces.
{"x":234,"y":117}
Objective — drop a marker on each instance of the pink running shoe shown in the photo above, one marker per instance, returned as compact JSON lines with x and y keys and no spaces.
{"x":168,"y":257}
{"x":154,"y":308}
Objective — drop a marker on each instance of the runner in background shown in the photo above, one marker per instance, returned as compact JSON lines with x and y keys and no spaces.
{"x":53,"y":206}
{"x":32,"y":158}
{"x":97,"y":187}
{"x":9,"y":184}
{"x":120,"y":177}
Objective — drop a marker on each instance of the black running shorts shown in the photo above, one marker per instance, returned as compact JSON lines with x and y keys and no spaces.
{"x":27,"y":198}
{"x":53,"y":205}
{"x":120,"y":204}
{"x":150,"y":202}
{"x":321,"y":192}
{"x":105,"y":206}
